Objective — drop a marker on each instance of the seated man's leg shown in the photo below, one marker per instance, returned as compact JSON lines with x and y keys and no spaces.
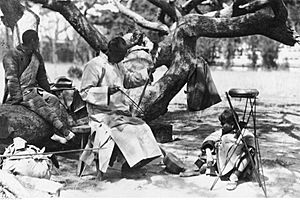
{"x":36,"y":103}
{"x":236,"y":174}
{"x":138,"y":146}
{"x":137,"y":143}
{"x":58,"y":107}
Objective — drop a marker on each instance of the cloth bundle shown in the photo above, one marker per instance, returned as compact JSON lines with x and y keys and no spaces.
{"x":19,"y":162}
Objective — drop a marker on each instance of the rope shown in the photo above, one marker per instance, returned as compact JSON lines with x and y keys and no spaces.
{"x":50,"y":153}
{"x":133,"y":102}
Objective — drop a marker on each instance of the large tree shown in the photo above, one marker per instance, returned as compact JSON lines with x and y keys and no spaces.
{"x":180,"y":24}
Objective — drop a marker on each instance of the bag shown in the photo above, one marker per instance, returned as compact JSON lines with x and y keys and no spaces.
{"x":38,"y":166}
{"x":201,"y":90}
{"x":173,"y":164}
{"x":78,"y":106}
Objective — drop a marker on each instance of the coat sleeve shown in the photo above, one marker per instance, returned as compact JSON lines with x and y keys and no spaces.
{"x":89,"y":90}
{"x":42,"y":78}
{"x":11,"y":74}
{"x":210,"y":140}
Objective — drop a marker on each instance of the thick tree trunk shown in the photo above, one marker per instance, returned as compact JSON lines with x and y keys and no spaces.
{"x":18,"y":121}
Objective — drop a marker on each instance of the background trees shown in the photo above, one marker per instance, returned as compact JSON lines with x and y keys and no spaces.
{"x":110,"y":22}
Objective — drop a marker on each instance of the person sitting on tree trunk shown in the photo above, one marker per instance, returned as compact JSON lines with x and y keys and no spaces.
{"x":224,"y":152}
{"x":114,"y":130}
{"x":26,"y":84}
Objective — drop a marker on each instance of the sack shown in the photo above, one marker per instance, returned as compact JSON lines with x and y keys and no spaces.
{"x":38,"y":166}
{"x":173,"y":164}
{"x":201,"y":90}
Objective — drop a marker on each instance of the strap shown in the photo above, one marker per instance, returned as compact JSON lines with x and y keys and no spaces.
{"x":5,"y":92}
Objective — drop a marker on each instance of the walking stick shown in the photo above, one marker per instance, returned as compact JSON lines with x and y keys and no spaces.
{"x":144,"y":90}
{"x":257,"y":175}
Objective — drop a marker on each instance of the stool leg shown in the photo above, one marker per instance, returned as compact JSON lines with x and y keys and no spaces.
{"x":81,"y":164}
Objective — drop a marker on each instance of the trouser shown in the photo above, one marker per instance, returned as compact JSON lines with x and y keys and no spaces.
{"x":45,"y":105}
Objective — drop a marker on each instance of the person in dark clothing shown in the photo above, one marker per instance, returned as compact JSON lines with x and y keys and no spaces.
{"x":27,"y":84}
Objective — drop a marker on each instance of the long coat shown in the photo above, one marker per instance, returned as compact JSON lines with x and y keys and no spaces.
{"x":110,"y":120}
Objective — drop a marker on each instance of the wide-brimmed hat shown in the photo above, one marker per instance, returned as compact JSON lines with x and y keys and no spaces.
{"x":62,"y":83}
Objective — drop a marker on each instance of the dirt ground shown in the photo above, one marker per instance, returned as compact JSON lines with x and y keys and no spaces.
{"x":278,"y":130}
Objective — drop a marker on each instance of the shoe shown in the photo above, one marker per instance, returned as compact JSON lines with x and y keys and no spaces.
{"x":99,"y":175}
{"x":189,"y":173}
{"x":231,"y":185}
{"x":59,"y":139}
{"x":132,"y":173}
{"x":233,"y":181}
{"x":135,"y":173}
{"x":70,"y":136}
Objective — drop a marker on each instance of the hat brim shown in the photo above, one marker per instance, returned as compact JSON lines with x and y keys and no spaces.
{"x":61,"y":88}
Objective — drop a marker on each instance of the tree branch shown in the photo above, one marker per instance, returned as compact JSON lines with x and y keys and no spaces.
{"x":73,"y":15}
{"x":166,"y":7}
{"x":141,"y":20}
{"x":250,"y":24}
{"x":37,"y":18}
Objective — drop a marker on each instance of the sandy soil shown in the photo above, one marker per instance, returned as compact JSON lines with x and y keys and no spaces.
{"x":278,"y":129}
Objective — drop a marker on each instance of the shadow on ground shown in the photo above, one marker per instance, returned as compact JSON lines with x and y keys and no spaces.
{"x":278,"y":130}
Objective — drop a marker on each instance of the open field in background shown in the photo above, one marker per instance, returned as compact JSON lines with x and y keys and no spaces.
{"x":274,"y":86}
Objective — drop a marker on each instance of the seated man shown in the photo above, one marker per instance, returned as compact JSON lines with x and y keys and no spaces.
{"x":27,"y":84}
{"x":225,"y":144}
{"x":113,"y":129}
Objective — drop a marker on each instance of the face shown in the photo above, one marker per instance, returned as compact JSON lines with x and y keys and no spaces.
{"x":227,"y":127}
{"x":35,"y":43}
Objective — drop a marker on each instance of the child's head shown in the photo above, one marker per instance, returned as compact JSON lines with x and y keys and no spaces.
{"x":227,"y":120}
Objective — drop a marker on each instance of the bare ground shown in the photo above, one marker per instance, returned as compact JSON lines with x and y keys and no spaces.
{"x":278,"y":130}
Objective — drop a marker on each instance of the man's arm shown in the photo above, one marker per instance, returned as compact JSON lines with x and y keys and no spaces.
{"x":89,"y":90}
{"x":210,"y":140}
{"x":11,"y":74}
{"x":41,"y":77}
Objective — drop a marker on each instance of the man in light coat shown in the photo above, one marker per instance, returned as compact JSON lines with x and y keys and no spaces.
{"x":113,"y":128}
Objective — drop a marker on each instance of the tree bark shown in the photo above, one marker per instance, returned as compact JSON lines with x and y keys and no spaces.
{"x":18,"y":121}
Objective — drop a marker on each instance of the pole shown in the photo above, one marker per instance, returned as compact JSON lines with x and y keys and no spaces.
{"x":247,"y":150}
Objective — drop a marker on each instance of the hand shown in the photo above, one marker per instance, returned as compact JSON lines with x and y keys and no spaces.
{"x":113,"y":89}
{"x":151,"y":70}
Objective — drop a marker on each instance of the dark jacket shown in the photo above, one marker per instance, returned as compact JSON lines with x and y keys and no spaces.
{"x":15,"y":62}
